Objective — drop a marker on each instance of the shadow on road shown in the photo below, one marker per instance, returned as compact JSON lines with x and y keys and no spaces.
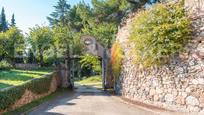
{"x":65,"y":100}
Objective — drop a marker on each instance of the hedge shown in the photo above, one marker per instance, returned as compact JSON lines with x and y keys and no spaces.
{"x":10,"y":95}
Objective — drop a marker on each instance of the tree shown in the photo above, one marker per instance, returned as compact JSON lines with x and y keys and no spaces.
{"x":13,"y":21}
{"x":4,"y":25}
{"x":103,"y":20}
{"x":40,"y":40}
{"x":11,"y":44}
{"x":78,"y":16}
{"x":67,"y":40}
{"x":58,"y":17}
{"x":31,"y":57}
{"x":3,"y":41}
{"x":15,"y":43}
{"x":110,"y":10}
{"x":91,"y":61}
{"x":138,"y":2}
{"x":104,"y":32}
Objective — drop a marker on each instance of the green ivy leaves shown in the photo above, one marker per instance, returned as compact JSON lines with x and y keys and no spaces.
{"x":38,"y":86}
{"x":159,"y":33}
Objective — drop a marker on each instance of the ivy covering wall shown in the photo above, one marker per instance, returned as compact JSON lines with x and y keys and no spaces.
{"x":159,"y":33}
{"x":38,"y":86}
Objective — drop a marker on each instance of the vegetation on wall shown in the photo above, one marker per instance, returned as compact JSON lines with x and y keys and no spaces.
{"x":9,"y":96}
{"x":159,"y":33}
{"x":116,"y":59}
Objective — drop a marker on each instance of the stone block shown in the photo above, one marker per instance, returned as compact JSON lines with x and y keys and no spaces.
{"x":169,"y":98}
{"x":159,"y":90}
{"x":152,"y":92}
{"x":156,"y":97}
{"x":190,"y":100}
{"x":180,"y":100}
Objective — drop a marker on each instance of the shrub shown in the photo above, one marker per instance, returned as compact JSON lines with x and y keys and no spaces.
{"x":116,"y":59}
{"x":4,"y":65}
{"x":9,"y":96}
{"x":91,"y":61}
{"x":159,"y":33}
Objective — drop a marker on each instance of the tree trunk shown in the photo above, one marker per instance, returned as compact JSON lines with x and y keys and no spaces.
{"x":41,"y":58}
{"x":13,"y":62}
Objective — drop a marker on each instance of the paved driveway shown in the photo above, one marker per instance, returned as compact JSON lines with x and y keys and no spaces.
{"x":88,"y":101}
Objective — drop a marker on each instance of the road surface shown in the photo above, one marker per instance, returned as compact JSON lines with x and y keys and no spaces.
{"x":86,"y":100}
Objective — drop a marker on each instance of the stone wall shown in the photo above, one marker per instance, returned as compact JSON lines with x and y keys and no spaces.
{"x":26,"y":66}
{"x":196,"y":10}
{"x":177,"y":86}
{"x":29,"y":96}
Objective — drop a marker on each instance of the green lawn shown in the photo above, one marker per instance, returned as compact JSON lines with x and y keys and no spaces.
{"x":16,"y":77}
{"x":91,"y":80}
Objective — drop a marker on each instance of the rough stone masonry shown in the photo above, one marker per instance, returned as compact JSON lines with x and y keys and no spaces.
{"x":177,"y":86}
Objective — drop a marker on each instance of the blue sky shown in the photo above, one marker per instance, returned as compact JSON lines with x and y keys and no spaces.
{"x":28,"y":13}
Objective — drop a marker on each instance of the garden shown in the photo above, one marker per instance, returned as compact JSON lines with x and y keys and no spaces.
{"x":30,"y":64}
{"x":16,"y":77}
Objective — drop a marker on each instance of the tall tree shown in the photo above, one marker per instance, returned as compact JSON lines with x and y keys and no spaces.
{"x":40,"y":40}
{"x":110,"y":10}
{"x":11,"y":44}
{"x":78,"y":15}
{"x":3,"y":44}
{"x":15,"y":43}
{"x":13,"y":21}
{"x":58,"y":17}
{"x":4,"y":25}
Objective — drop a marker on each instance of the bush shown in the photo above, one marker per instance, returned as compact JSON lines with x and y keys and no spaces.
{"x":9,"y":96}
{"x":91,"y":61}
{"x":116,"y":59}
{"x":159,"y":33}
{"x":4,"y":65}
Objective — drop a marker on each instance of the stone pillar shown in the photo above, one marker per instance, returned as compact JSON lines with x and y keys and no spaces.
{"x":64,"y":78}
{"x":107,"y":76}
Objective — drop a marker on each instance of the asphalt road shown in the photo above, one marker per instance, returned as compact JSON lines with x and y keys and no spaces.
{"x":88,"y":101}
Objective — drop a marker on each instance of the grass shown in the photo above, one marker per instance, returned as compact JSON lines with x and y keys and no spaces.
{"x":96,"y":80}
{"x":32,"y":105}
{"x":91,"y":80}
{"x":16,"y":77}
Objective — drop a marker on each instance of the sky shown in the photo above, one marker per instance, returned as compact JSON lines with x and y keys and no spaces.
{"x":28,"y":13}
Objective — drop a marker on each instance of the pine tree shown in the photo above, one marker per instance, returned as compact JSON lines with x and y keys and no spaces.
{"x":79,"y":15}
{"x":13,"y":21}
{"x":4,"y":25}
{"x":58,"y":17}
